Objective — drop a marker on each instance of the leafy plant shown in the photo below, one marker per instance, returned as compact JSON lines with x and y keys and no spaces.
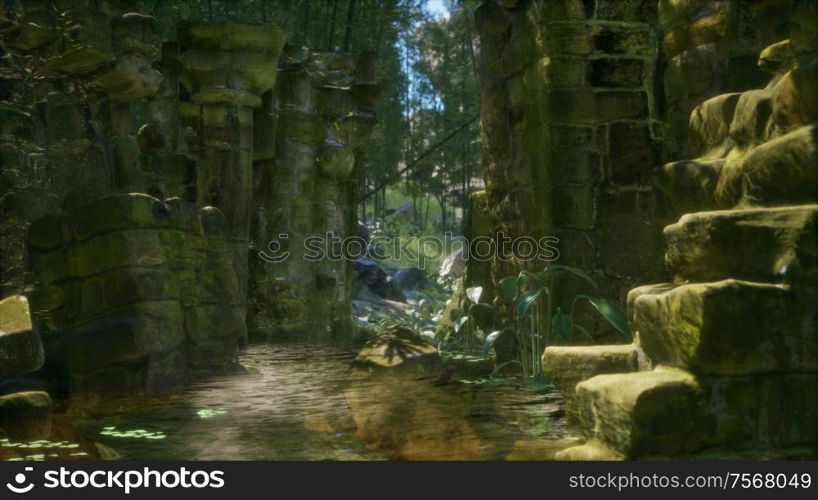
{"x":525,"y":295}
{"x":467,"y":326}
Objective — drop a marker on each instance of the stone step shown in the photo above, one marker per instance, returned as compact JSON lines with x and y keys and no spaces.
{"x":727,"y":327}
{"x":672,"y":413}
{"x":643,"y":413}
{"x":762,"y":244}
{"x":21,"y":351}
{"x":566,"y":366}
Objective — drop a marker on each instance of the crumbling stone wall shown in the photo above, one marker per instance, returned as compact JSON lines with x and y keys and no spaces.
{"x":709,"y":48}
{"x":571,"y":131}
{"x":96,"y":107}
{"x":582,"y":100}
{"x":324,"y":107}
{"x":733,"y":340}
{"x":134,"y":294}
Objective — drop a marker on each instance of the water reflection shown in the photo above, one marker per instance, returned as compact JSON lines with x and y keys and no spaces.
{"x":304,"y":403}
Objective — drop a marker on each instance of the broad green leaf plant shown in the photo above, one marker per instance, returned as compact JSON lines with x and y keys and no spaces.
{"x":526,"y":295}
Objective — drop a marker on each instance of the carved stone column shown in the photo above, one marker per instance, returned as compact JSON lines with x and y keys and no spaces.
{"x":225,"y":68}
{"x":325,"y":104}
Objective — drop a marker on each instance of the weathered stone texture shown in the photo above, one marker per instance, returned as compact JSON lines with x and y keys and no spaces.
{"x":134,"y":294}
{"x":570,"y":134}
{"x":325,"y":108}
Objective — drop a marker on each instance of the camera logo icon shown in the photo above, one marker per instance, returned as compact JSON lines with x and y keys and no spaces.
{"x":20,"y":480}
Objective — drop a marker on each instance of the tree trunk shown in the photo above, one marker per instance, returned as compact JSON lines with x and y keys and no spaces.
{"x":348,"y":34}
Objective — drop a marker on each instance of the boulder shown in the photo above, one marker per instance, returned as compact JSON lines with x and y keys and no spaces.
{"x":727,"y":327}
{"x":410,"y":278}
{"x":21,"y":351}
{"x":369,"y":274}
{"x":763,"y":244}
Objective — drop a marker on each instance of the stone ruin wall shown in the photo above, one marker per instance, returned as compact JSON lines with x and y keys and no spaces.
{"x":724,"y":363}
{"x":581,"y":101}
{"x":96,"y":109}
{"x":571,"y":130}
{"x":324,"y":109}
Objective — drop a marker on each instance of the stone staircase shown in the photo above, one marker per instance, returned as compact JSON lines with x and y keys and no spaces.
{"x":730,"y":348}
{"x":736,"y":359}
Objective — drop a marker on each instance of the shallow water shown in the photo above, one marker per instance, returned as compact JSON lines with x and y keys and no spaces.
{"x":304,"y":403}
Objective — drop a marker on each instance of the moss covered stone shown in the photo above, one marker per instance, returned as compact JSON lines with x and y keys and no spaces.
{"x":644,"y":413}
{"x":765,"y":244}
{"x":727,"y":327}
{"x":566,"y":366}
{"x":21,"y":351}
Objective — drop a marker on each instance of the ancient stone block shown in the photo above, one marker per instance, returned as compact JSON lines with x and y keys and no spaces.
{"x":705,"y":29}
{"x":633,"y":153}
{"x":795,"y":98}
{"x":590,"y":451}
{"x":710,"y":121}
{"x":629,"y":241}
{"x":674,"y":11}
{"x":566,"y":366}
{"x":635,"y":414}
{"x":86,"y":34}
{"x":138,"y":247}
{"x":124,"y":336}
{"x":21,"y":351}
{"x":26,"y":416}
{"x":727,"y":327}
{"x":751,"y":116}
{"x":775,"y":244}
{"x":621,"y":40}
{"x":127,"y":285}
{"x":564,"y":38}
{"x":690,"y":73}
{"x":554,"y":72}
{"x":574,"y":166}
{"x":643,"y":11}
{"x":575,"y":206}
{"x":686,"y":186}
{"x":616,"y":72}
{"x":778,"y":171}
{"x":594,"y":107}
